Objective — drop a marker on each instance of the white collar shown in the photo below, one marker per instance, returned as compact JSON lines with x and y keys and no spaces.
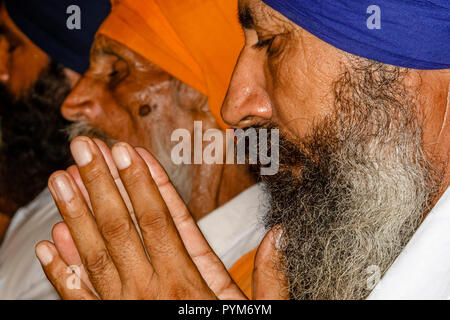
{"x":422,"y":270}
{"x":235,"y":228}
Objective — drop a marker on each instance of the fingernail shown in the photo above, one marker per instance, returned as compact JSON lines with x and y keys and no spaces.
{"x":44,"y":254}
{"x":278,"y":239}
{"x":81,"y":152}
{"x":63,"y":188}
{"x":121,"y":157}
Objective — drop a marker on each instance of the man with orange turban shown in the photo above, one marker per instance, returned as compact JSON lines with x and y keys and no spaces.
{"x":158,"y":66}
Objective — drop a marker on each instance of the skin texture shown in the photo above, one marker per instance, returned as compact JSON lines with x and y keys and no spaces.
{"x":21,"y":64}
{"x":131,"y":99}
{"x":21,"y":61}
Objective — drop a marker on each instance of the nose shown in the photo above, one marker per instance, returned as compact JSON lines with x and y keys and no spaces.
{"x":247,"y":102}
{"x":83,"y":103}
{"x":4,"y":60}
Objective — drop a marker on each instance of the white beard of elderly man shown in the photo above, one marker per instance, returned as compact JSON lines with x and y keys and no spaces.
{"x":361,"y":193}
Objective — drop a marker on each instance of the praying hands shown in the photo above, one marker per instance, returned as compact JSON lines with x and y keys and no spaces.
{"x":170,"y":260}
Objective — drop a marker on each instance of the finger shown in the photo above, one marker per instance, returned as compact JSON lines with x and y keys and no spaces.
{"x":111,"y":214}
{"x":159,"y":233}
{"x":269,"y":282}
{"x":65,"y":244}
{"x":68,"y":251}
{"x":75,"y":173}
{"x":209,"y":265}
{"x":67,"y":283}
{"x":84,"y":231}
{"x":106,"y":152}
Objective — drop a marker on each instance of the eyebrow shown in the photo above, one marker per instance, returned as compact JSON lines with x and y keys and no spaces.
{"x":246,"y":18}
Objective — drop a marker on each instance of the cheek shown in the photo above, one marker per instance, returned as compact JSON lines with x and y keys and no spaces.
{"x":153,"y":117}
{"x":118,"y":124}
{"x":300,"y":95}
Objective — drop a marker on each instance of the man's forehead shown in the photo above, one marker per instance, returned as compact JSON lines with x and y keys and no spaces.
{"x":104,"y":45}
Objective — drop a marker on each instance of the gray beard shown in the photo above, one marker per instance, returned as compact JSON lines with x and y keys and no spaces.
{"x":180,"y":175}
{"x":350,"y":196}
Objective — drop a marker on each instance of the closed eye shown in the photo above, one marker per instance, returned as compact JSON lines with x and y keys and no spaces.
{"x":263,"y":43}
{"x":113,"y":74}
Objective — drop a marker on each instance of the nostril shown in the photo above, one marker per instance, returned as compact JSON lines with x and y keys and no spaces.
{"x":79,"y":117}
{"x":73,"y":114}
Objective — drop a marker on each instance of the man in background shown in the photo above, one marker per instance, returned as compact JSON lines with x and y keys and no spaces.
{"x":43,"y":53}
{"x":360,"y":94}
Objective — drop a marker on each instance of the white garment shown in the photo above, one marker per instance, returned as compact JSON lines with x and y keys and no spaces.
{"x":232,"y":230}
{"x":422,"y":270}
{"x":21,"y":275}
{"x":235,"y":228}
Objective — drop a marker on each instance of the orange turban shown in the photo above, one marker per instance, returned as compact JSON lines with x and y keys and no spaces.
{"x":196,"y":41}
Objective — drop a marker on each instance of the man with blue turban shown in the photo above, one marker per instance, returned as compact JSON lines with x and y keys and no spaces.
{"x":44,"y":47}
{"x":360,"y":93}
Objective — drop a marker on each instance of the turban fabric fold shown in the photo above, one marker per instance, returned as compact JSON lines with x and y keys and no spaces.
{"x":44,"y":22}
{"x":413,"y":33}
{"x":196,"y":41}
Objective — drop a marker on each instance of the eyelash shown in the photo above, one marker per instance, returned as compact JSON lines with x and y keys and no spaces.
{"x":113,"y":73}
{"x":264,"y":43}
{"x":261,"y":44}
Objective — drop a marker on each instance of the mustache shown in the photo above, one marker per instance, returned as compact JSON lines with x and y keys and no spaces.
{"x":84,"y":129}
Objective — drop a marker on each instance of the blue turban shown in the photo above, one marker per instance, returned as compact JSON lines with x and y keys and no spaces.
{"x":413,"y":33}
{"x":44,"y":22}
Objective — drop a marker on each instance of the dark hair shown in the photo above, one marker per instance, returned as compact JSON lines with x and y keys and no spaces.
{"x":33,"y":142}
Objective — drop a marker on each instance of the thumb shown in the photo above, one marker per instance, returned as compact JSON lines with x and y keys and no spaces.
{"x":269,"y":282}
{"x":68,"y":251}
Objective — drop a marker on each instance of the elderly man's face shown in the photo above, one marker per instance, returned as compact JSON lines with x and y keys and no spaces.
{"x":126,"y":97}
{"x":353,"y":181}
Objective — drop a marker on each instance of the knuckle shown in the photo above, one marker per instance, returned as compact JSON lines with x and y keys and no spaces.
{"x":157,"y":220}
{"x":94,"y":175}
{"x":134,"y":177}
{"x":185,"y":289}
{"x":116,"y":230}
{"x":77,"y":216}
{"x":178,"y":291}
{"x":97,"y":263}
